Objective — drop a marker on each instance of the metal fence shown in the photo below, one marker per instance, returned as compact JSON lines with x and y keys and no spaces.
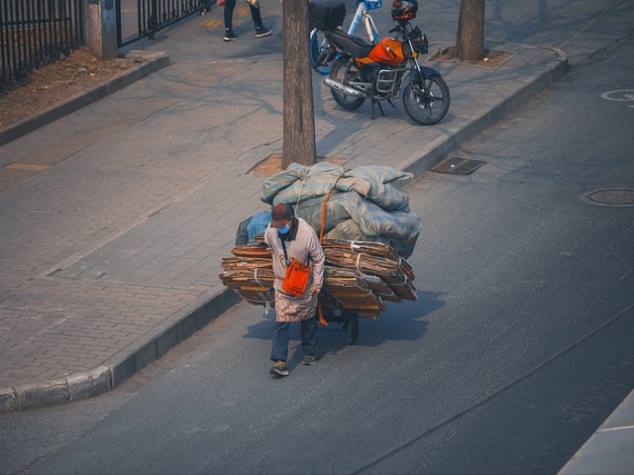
{"x":34,"y":32}
{"x":142,"y":18}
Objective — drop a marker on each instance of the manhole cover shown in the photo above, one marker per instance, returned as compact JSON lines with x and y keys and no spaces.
{"x":615,"y":196}
{"x":458,"y":166}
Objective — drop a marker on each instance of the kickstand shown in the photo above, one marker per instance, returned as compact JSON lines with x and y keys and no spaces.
{"x":377,"y":103}
{"x":391,"y":103}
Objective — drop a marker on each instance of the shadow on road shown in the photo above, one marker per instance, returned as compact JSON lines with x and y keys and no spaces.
{"x":399,"y":322}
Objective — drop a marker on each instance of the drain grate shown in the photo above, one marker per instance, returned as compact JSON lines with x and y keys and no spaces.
{"x":458,"y":166}
{"x":618,"y":196}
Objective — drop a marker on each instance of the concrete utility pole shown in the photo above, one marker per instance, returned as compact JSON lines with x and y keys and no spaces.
{"x":100,"y":27}
{"x":299,"y":121}
{"x":470,"y":39}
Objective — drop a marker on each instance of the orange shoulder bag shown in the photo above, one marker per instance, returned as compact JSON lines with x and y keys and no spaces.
{"x":296,"y":277}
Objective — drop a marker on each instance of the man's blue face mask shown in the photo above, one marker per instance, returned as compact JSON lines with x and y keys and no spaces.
{"x":284,"y":229}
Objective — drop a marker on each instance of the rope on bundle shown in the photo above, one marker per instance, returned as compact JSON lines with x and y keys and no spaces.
{"x":322,"y":231}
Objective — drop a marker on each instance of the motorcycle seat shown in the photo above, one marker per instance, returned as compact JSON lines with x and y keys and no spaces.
{"x":352,"y":45}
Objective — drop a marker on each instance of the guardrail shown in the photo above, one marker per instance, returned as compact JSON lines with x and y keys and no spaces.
{"x":36,"y":32}
{"x":150,"y":16}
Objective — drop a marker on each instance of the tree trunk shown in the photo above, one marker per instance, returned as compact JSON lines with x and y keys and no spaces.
{"x":299,"y":121}
{"x":470,"y":40}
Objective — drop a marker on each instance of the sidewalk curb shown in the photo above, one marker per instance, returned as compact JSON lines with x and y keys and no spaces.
{"x":603,"y":451}
{"x":124,"y":364}
{"x":153,"y":61}
{"x":177,"y":328}
{"x":212,"y":304}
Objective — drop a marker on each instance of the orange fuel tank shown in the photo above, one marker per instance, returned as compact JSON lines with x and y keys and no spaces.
{"x":387,"y":51}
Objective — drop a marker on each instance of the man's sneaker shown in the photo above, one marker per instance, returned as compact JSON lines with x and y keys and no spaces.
{"x":279,"y":369}
{"x":230,"y":35}
{"x":310,"y":360}
{"x":262,"y":32}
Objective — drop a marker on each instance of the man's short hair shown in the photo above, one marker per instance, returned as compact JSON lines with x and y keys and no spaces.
{"x":281,"y":213}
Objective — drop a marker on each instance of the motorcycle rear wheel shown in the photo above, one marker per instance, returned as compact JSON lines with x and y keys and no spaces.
{"x":339,"y":74}
{"x":427,"y":109}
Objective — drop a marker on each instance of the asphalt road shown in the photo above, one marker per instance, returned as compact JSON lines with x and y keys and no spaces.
{"x":521,"y":344}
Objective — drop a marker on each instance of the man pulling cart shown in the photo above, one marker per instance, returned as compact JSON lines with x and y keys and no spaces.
{"x":357,"y":264}
{"x":291,"y":240}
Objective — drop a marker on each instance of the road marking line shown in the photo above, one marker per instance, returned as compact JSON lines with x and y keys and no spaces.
{"x":27,"y":166}
{"x":612,"y":429}
{"x":619,"y":95}
{"x":212,"y":23}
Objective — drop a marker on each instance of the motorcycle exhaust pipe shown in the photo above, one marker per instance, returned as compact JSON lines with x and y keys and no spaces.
{"x":342,"y":88}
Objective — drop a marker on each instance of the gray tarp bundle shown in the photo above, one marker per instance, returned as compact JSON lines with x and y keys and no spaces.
{"x":368,"y":203}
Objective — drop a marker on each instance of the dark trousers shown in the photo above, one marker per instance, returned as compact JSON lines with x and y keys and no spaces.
{"x":255,"y":14}
{"x":281,"y":338}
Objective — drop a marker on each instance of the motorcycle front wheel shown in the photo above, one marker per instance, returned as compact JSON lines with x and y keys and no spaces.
{"x":339,"y":69}
{"x":427,"y":108}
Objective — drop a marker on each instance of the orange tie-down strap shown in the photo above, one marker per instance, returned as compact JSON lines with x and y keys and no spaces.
{"x":322,"y":230}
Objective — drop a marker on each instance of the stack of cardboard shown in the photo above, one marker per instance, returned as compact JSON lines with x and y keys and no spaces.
{"x":374,"y":259}
{"x":250,"y":273}
{"x":359,"y":275}
{"x":351,"y":291}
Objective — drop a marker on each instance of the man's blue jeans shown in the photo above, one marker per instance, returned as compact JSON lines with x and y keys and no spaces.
{"x":281,"y":337}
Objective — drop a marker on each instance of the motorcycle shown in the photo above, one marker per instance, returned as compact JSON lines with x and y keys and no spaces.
{"x":362,"y":70}
{"x":319,"y":45}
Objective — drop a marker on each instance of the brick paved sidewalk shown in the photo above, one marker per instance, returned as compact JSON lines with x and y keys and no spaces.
{"x":120,"y":227}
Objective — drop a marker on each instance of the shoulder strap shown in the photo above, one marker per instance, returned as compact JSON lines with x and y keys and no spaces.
{"x":284,"y":247}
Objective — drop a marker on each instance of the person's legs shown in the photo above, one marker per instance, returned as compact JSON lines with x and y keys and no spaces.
{"x":229,"y":34}
{"x":256,"y":16}
{"x":281,"y":338}
{"x":309,"y":337}
{"x":229,"y":6}
{"x":260,"y":30}
{"x":279,"y":353}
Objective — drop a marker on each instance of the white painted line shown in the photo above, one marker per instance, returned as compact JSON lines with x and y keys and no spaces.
{"x":619,"y":95}
{"x":613,"y":429}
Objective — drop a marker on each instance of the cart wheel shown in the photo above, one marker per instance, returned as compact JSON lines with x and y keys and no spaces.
{"x":352,"y":330}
